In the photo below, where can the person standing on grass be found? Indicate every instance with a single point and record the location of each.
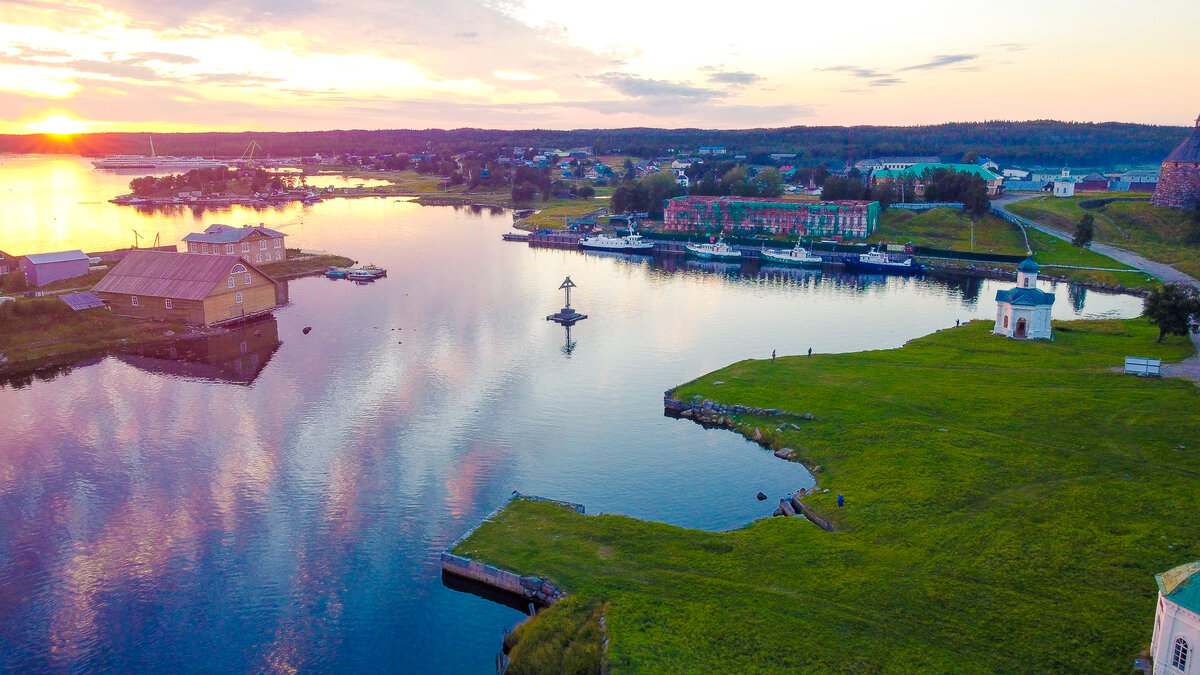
(772, 356)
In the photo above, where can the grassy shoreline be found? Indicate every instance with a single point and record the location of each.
(1008, 504)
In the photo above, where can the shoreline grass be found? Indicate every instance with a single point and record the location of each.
(1008, 504)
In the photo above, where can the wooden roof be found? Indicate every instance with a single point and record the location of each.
(162, 274)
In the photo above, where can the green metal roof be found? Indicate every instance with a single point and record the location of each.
(1028, 265)
(1181, 585)
(916, 170)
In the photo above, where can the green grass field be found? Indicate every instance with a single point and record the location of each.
(1155, 232)
(1008, 504)
(555, 213)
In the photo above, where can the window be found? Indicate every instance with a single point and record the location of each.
(229, 248)
(248, 280)
(245, 247)
(168, 303)
(238, 269)
(1026, 282)
(1180, 654)
(238, 297)
(257, 257)
(133, 298)
(204, 248)
(192, 246)
(279, 255)
(1006, 321)
(262, 245)
(278, 243)
(231, 282)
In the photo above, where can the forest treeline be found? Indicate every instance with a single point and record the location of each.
(1043, 142)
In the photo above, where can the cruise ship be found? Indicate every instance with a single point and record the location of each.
(155, 162)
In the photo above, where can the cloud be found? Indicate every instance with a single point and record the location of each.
(735, 79)
(941, 62)
(233, 79)
(639, 87)
(885, 81)
(164, 57)
(856, 71)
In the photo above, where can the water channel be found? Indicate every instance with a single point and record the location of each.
(279, 500)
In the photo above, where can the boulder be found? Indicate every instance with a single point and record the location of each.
(761, 497)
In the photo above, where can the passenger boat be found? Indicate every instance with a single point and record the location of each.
(798, 255)
(878, 262)
(366, 273)
(717, 250)
(630, 243)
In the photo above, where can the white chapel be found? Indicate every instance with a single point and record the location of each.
(1024, 312)
(1177, 621)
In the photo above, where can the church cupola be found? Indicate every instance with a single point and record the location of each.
(1027, 272)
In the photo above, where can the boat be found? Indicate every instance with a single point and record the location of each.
(717, 250)
(878, 262)
(155, 161)
(366, 273)
(798, 255)
(337, 272)
(630, 243)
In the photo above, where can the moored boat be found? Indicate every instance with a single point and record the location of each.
(717, 250)
(366, 273)
(337, 272)
(878, 262)
(630, 243)
(798, 255)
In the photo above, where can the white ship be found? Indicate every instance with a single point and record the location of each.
(630, 243)
(155, 162)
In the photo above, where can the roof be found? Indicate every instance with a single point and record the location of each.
(61, 256)
(186, 276)
(79, 301)
(1031, 297)
(916, 170)
(1189, 149)
(1028, 265)
(227, 234)
(1181, 585)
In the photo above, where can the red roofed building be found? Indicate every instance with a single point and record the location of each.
(199, 289)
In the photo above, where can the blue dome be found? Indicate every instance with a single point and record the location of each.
(1027, 265)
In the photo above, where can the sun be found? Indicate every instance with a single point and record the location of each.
(60, 125)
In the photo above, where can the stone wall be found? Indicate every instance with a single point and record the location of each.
(1179, 186)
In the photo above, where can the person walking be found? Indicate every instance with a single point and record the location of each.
(772, 356)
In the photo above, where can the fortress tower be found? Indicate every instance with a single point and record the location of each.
(1179, 182)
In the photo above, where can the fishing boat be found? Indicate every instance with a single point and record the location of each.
(717, 250)
(878, 262)
(798, 255)
(337, 272)
(630, 243)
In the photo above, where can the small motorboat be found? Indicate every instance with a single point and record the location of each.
(878, 262)
(717, 250)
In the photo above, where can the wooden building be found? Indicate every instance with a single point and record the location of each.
(199, 289)
(256, 244)
(8, 263)
(44, 268)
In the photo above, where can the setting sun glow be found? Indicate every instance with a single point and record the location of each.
(60, 125)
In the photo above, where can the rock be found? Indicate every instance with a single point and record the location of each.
(794, 427)
(784, 453)
(761, 497)
(807, 416)
(718, 383)
(943, 429)
(757, 434)
(686, 413)
(306, 330)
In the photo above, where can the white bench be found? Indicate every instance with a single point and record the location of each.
(1138, 365)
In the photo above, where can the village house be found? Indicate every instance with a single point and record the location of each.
(1177, 621)
(192, 288)
(8, 263)
(253, 243)
(44, 268)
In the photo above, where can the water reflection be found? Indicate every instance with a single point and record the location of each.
(237, 354)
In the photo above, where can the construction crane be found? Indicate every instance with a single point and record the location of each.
(156, 244)
(247, 158)
(136, 237)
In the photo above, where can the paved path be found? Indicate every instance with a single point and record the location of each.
(1164, 273)
(1189, 368)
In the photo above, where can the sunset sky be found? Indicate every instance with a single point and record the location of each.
(174, 65)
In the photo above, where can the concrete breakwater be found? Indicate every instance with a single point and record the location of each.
(532, 588)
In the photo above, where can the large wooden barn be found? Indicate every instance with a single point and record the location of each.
(187, 287)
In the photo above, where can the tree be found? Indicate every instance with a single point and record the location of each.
(1174, 308)
(971, 157)
(586, 192)
(1085, 229)
(770, 182)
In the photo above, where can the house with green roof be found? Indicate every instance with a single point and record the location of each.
(1023, 313)
(918, 172)
(1177, 621)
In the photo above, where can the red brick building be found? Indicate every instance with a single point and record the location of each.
(1179, 183)
(745, 216)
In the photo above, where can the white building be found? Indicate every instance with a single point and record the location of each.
(1064, 185)
(1023, 312)
(1177, 621)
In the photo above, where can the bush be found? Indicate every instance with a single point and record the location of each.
(46, 306)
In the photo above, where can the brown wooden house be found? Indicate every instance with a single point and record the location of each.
(200, 289)
(8, 263)
(256, 244)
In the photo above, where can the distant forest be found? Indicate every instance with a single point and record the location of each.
(1109, 145)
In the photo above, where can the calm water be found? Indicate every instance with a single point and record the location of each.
(278, 500)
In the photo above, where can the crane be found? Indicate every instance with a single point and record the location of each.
(247, 158)
(136, 237)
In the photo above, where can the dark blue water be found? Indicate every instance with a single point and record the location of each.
(280, 500)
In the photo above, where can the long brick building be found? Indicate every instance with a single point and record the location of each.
(744, 216)
(1179, 181)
